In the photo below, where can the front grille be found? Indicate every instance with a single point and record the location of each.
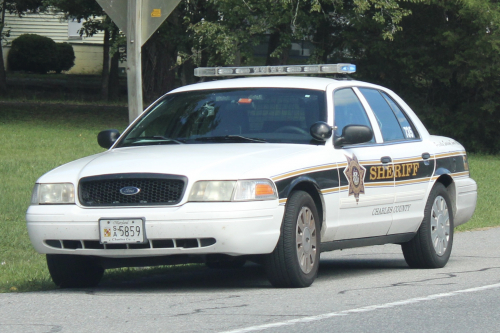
(154, 189)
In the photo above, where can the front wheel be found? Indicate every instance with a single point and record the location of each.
(431, 246)
(295, 260)
(72, 271)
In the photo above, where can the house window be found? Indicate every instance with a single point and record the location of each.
(74, 29)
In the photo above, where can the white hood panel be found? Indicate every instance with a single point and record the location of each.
(197, 162)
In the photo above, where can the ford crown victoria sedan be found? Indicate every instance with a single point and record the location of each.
(272, 169)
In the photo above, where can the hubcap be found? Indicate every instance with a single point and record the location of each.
(306, 240)
(440, 225)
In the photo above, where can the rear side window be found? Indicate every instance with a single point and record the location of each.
(389, 125)
(348, 111)
(392, 121)
(408, 129)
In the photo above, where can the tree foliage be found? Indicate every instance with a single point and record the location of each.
(18, 7)
(88, 11)
(443, 56)
(65, 57)
(33, 53)
(446, 62)
(95, 20)
(238, 25)
(40, 54)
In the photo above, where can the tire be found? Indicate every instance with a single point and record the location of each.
(72, 271)
(295, 260)
(226, 264)
(431, 246)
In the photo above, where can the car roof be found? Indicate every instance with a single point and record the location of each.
(297, 82)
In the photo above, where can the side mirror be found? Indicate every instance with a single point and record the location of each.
(107, 138)
(321, 131)
(353, 134)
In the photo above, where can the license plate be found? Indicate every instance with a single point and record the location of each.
(121, 231)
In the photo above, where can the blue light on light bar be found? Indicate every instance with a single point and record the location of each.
(348, 68)
(276, 70)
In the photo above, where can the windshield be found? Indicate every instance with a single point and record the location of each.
(257, 115)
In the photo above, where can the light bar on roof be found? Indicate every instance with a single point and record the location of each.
(276, 70)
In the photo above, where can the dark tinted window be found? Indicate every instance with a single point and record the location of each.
(348, 111)
(408, 129)
(205, 116)
(389, 125)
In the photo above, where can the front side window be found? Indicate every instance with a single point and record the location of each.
(348, 111)
(233, 115)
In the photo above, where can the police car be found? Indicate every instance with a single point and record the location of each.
(274, 169)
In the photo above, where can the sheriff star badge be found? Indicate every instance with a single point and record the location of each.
(355, 174)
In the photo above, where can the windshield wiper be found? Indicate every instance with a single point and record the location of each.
(225, 138)
(155, 137)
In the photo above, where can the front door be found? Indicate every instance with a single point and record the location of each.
(366, 177)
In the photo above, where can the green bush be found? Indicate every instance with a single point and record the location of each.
(65, 57)
(38, 54)
(32, 53)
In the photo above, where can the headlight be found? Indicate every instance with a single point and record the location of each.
(212, 191)
(230, 190)
(53, 194)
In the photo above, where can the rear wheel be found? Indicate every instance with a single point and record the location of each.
(431, 246)
(295, 260)
(72, 271)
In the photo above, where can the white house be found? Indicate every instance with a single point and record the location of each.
(88, 50)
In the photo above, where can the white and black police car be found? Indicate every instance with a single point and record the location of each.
(274, 169)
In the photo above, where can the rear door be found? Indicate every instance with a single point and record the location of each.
(412, 162)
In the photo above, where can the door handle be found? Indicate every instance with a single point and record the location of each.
(426, 156)
(386, 159)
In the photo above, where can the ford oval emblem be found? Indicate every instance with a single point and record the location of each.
(130, 190)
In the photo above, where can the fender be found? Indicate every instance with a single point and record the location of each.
(286, 186)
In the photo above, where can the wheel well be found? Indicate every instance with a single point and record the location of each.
(314, 192)
(448, 182)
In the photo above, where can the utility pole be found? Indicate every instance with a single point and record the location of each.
(138, 19)
(134, 63)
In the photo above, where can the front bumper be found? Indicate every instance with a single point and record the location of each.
(233, 228)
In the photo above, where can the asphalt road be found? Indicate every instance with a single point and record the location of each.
(361, 290)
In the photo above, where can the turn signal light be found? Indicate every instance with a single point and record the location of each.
(263, 189)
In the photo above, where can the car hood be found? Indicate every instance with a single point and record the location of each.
(200, 161)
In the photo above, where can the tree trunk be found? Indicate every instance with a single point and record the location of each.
(105, 66)
(203, 63)
(204, 58)
(186, 72)
(3, 76)
(326, 42)
(158, 60)
(114, 74)
(275, 41)
(114, 78)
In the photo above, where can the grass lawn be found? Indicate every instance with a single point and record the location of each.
(38, 137)
(59, 87)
